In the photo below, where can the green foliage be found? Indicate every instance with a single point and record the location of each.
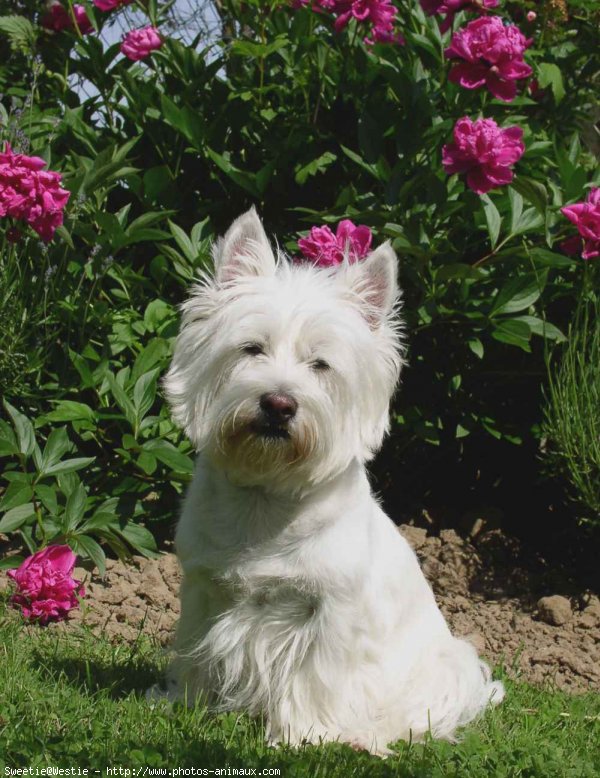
(312, 126)
(572, 411)
(46, 501)
(20, 32)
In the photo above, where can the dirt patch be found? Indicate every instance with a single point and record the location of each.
(515, 610)
(523, 615)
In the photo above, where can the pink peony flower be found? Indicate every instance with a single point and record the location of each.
(327, 249)
(535, 91)
(110, 5)
(484, 152)
(586, 217)
(46, 590)
(31, 194)
(451, 7)
(379, 14)
(492, 55)
(139, 44)
(59, 18)
(572, 246)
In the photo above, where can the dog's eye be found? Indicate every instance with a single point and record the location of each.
(320, 365)
(253, 349)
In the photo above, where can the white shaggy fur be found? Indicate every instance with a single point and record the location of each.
(300, 600)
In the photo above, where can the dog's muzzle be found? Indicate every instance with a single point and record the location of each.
(277, 410)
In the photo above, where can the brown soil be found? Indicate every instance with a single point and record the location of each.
(523, 616)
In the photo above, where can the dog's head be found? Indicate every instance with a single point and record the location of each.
(283, 372)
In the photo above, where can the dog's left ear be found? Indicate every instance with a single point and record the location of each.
(244, 250)
(375, 281)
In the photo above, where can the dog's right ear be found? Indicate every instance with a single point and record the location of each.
(244, 250)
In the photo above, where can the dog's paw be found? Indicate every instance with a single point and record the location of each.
(365, 741)
(157, 693)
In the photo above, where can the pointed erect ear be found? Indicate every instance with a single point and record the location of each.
(375, 281)
(244, 251)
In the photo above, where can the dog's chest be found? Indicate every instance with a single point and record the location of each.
(263, 599)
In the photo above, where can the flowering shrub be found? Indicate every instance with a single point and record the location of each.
(311, 111)
(45, 588)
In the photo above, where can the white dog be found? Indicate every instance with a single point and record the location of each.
(301, 601)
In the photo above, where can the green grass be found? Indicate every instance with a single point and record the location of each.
(68, 699)
(572, 421)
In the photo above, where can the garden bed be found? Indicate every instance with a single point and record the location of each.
(515, 609)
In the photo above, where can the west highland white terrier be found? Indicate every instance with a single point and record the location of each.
(300, 600)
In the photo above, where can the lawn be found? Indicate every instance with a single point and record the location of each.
(69, 699)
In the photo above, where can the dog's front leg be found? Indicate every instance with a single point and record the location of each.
(202, 599)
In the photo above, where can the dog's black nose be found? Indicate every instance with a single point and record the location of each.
(278, 407)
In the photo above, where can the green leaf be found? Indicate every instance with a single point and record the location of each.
(156, 313)
(75, 508)
(144, 393)
(47, 495)
(156, 351)
(518, 294)
(318, 165)
(516, 208)
(11, 562)
(183, 241)
(69, 466)
(140, 538)
(542, 328)
(70, 410)
(7, 448)
(166, 453)
(86, 546)
(23, 428)
(240, 177)
(547, 258)
(530, 220)
(122, 399)
(8, 441)
(533, 192)
(57, 445)
(492, 218)
(258, 50)
(65, 236)
(513, 332)
(17, 493)
(549, 74)
(356, 158)
(459, 271)
(83, 369)
(16, 517)
(19, 30)
(102, 519)
(147, 462)
(476, 347)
